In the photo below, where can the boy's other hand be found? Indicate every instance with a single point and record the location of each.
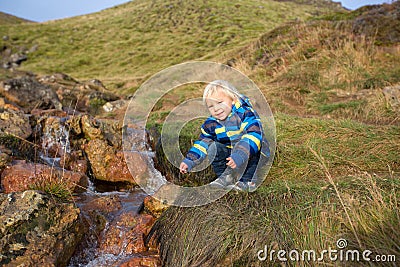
(183, 167)
(231, 163)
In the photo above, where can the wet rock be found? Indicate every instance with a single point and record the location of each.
(15, 122)
(74, 125)
(135, 138)
(112, 130)
(154, 206)
(108, 164)
(91, 127)
(28, 93)
(392, 96)
(36, 230)
(127, 231)
(79, 165)
(107, 129)
(72, 162)
(143, 261)
(94, 213)
(103, 204)
(23, 176)
(105, 217)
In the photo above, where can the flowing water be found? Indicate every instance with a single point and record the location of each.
(89, 252)
(55, 142)
(105, 208)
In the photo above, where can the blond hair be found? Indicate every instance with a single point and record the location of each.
(223, 86)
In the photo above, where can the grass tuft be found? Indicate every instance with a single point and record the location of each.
(281, 215)
(54, 186)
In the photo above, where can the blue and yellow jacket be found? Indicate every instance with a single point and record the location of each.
(241, 131)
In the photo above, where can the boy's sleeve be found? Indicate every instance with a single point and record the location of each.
(198, 151)
(250, 142)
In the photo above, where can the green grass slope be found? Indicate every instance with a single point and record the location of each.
(7, 19)
(336, 170)
(139, 38)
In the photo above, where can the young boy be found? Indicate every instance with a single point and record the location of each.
(236, 131)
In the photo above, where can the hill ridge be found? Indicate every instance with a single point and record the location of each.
(137, 39)
(6, 19)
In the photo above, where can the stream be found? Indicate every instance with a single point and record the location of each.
(55, 143)
(118, 205)
(115, 228)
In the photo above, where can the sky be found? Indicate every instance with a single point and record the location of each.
(43, 10)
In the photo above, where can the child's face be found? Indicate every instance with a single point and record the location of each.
(220, 105)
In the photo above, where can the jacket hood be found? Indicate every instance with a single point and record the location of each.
(243, 101)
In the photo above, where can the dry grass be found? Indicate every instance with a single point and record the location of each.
(322, 68)
(331, 179)
(285, 216)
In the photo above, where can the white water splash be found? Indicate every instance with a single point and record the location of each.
(155, 179)
(55, 136)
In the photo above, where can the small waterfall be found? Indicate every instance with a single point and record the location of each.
(156, 179)
(89, 253)
(55, 142)
(135, 142)
(92, 253)
(105, 212)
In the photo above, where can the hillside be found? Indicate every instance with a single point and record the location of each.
(7, 19)
(139, 38)
(331, 77)
(333, 66)
(336, 169)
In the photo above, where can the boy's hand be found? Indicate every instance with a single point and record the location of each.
(231, 163)
(183, 167)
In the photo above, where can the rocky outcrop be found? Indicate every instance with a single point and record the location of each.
(50, 140)
(87, 96)
(12, 57)
(58, 91)
(108, 164)
(36, 230)
(28, 93)
(380, 22)
(154, 206)
(23, 176)
(15, 122)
